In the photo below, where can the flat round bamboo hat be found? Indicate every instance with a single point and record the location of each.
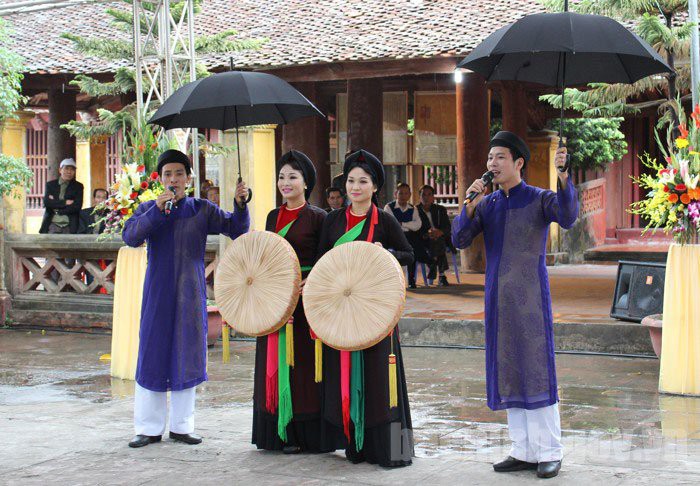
(256, 284)
(354, 296)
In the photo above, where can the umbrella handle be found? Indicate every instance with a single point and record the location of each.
(250, 192)
(568, 158)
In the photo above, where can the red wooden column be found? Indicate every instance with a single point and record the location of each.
(310, 135)
(514, 105)
(473, 119)
(365, 115)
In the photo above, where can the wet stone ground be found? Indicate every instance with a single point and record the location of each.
(63, 420)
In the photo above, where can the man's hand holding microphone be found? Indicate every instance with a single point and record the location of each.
(476, 193)
(166, 200)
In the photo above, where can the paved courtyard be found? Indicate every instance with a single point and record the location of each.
(63, 420)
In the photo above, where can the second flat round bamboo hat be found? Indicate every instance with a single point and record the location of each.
(354, 296)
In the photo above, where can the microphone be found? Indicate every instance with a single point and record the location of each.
(486, 179)
(169, 204)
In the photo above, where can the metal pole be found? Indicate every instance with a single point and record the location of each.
(694, 53)
(137, 61)
(165, 56)
(193, 77)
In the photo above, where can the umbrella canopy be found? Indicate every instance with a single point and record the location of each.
(567, 49)
(233, 99)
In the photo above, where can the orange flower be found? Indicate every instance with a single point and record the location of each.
(673, 198)
(142, 148)
(696, 116)
(683, 130)
(685, 198)
(154, 145)
(125, 211)
(694, 193)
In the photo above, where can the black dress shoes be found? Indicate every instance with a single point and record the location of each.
(186, 438)
(144, 440)
(548, 469)
(511, 464)
(442, 282)
(291, 449)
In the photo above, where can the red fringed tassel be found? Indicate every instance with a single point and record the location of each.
(345, 390)
(271, 374)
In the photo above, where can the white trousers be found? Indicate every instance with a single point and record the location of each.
(536, 434)
(151, 411)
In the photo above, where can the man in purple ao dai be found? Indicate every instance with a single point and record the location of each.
(520, 370)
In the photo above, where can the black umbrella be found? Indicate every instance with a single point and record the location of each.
(560, 49)
(233, 99)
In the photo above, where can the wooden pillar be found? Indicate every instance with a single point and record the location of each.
(98, 165)
(514, 108)
(83, 170)
(365, 115)
(310, 135)
(257, 147)
(543, 173)
(13, 142)
(473, 119)
(62, 109)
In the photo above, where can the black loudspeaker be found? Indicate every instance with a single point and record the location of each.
(639, 291)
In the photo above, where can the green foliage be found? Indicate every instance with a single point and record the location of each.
(225, 42)
(111, 49)
(657, 23)
(495, 127)
(594, 142)
(623, 9)
(11, 78)
(13, 173)
(124, 82)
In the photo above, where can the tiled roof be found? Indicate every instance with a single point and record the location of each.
(300, 32)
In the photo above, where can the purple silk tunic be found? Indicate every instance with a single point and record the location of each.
(173, 333)
(520, 371)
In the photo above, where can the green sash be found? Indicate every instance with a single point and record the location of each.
(352, 234)
(357, 366)
(285, 409)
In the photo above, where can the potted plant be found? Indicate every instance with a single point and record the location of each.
(672, 204)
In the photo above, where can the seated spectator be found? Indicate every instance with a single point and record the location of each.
(213, 195)
(437, 237)
(204, 187)
(88, 216)
(334, 198)
(63, 199)
(413, 227)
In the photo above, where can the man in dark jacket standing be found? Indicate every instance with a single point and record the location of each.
(438, 234)
(63, 200)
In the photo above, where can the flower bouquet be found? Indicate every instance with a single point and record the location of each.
(137, 181)
(672, 201)
(133, 185)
